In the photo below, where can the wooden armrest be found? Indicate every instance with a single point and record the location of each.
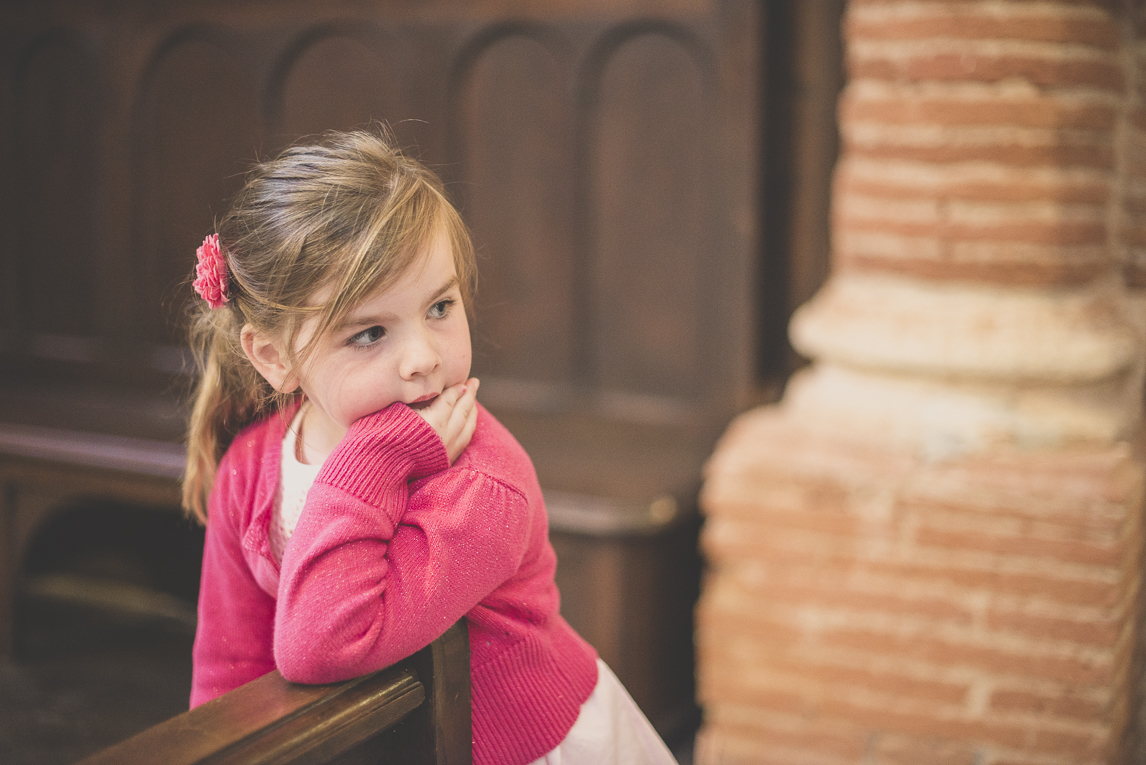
(270, 721)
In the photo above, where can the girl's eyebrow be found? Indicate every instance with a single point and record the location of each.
(361, 321)
(449, 285)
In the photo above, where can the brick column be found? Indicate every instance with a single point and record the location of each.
(929, 551)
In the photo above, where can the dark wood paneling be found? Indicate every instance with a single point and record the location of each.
(649, 216)
(56, 123)
(198, 121)
(336, 81)
(515, 122)
(585, 144)
(802, 76)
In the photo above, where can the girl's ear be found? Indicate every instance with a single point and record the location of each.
(266, 357)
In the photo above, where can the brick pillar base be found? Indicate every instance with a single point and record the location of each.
(929, 552)
(873, 607)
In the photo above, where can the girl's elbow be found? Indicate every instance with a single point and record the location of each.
(296, 665)
(300, 658)
(314, 662)
(311, 666)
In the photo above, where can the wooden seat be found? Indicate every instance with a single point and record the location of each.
(416, 711)
(44, 470)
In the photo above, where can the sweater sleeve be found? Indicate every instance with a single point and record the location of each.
(366, 579)
(233, 638)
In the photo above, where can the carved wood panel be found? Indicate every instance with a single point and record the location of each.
(585, 145)
(513, 112)
(54, 174)
(335, 79)
(197, 121)
(648, 193)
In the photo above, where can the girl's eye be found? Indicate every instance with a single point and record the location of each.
(441, 308)
(367, 337)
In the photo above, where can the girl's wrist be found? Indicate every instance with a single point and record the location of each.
(395, 443)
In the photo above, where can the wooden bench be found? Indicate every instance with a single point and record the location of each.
(45, 470)
(415, 712)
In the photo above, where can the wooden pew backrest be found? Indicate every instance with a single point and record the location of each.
(413, 712)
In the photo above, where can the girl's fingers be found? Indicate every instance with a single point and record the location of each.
(449, 397)
(439, 411)
(453, 416)
(469, 427)
(463, 420)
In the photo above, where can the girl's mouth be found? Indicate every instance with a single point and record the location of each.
(423, 402)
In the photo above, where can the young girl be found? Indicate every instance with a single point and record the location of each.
(365, 501)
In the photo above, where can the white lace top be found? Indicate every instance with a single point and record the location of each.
(295, 479)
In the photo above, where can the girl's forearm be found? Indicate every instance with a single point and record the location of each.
(367, 580)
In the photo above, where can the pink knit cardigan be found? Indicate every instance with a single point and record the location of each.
(394, 546)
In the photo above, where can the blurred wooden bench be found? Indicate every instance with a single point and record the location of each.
(43, 470)
(416, 712)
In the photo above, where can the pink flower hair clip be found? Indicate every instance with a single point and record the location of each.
(211, 272)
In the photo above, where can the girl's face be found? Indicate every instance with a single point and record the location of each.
(407, 343)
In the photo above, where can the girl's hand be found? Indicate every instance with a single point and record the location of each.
(453, 416)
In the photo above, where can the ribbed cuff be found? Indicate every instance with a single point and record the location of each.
(392, 446)
(527, 699)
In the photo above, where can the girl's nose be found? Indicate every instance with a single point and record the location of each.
(420, 357)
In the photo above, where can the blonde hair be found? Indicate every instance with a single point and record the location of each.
(350, 211)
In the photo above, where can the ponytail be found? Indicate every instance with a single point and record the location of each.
(229, 395)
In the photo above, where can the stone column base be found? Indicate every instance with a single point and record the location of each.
(866, 605)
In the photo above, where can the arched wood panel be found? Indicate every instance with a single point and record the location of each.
(333, 81)
(582, 154)
(515, 126)
(199, 126)
(56, 124)
(648, 138)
